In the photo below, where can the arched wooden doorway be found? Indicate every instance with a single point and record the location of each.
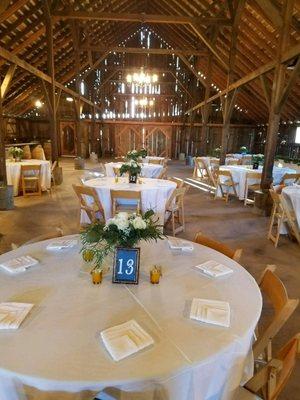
(68, 138)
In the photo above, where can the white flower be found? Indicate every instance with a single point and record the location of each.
(139, 223)
(122, 215)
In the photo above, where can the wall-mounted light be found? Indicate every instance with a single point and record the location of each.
(70, 99)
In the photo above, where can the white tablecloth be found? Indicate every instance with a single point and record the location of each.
(13, 173)
(154, 193)
(148, 170)
(58, 347)
(239, 173)
(292, 194)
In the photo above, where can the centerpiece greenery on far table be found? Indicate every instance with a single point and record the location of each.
(143, 153)
(133, 168)
(16, 153)
(124, 230)
(257, 159)
(217, 152)
(243, 150)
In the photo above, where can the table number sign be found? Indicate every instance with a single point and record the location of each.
(126, 265)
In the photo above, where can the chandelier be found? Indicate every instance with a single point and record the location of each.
(141, 78)
(144, 102)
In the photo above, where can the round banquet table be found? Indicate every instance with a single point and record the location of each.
(13, 173)
(292, 193)
(58, 346)
(239, 173)
(154, 194)
(148, 170)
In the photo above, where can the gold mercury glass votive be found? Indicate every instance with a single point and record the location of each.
(96, 276)
(155, 274)
(116, 179)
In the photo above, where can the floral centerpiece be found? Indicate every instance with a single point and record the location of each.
(133, 168)
(143, 153)
(133, 155)
(243, 150)
(16, 153)
(217, 152)
(124, 230)
(257, 159)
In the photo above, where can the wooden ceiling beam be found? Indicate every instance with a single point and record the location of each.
(271, 12)
(40, 74)
(8, 12)
(7, 80)
(140, 50)
(287, 55)
(142, 18)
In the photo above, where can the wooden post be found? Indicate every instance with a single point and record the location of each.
(50, 98)
(229, 98)
(279, 95)
(206, 109)
(3, 180)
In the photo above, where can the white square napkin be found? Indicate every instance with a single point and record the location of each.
(214, 269)
(62, 244)
(126, 339)
(211, 312)
(13, 314)
(178, 244)
(19, 264)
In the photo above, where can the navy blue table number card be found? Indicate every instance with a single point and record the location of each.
(126, 265)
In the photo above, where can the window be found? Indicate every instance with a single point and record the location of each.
(297, 136)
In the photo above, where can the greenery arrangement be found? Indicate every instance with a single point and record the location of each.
(243, 150)
(288, 159)
(124, 230)
(143, 153)
(217, 152)
(258, 158)
(132, 167)
(16, 152)
(133, 155)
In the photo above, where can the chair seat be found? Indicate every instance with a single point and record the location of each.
(244, 394)
(31, 178)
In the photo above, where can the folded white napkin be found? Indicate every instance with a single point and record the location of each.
(126, 339)
(19, 264)
(13, 314)
(211, 312)
(179, 244)
(214, 269)
(62, 244)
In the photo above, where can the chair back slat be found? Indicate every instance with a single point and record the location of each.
(218, 246)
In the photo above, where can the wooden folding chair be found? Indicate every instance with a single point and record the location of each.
(273, 288)
(280, 215)
(250, 176)
(233, 161)
(270, 380)
(179, 182)
(175, 210)
(156, 161)
(227, 184)
(31, 180)
(132, 196)
(53, 166)
(218, 246)
(89, 203)
(247, 160)
(290, 179)
(51, 235)
(199, 168)
(163, 173)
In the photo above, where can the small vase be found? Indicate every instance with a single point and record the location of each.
(132, 178)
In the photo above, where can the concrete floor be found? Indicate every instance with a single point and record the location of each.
(231, 223)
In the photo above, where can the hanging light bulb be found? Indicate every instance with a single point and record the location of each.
(38, 104)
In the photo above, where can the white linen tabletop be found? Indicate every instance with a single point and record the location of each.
(58, 346)
(292, 193)
(154, 193)
(13, 173)
(239, 173)
(148, 170)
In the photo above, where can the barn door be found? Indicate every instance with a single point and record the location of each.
(68, 138)
(158, 141)
(128, 138)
